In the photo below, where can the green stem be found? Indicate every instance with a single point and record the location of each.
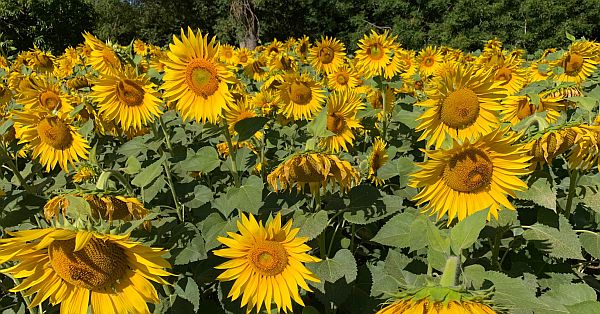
(451, 271)
(317, 199)
(574, 178)
(496, 248)
(353, 230)
(322, 249)
(173, 192)
(232, 155)
(385, 116)
(167, 136)
(15, 169)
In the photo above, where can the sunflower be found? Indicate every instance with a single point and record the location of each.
(327, 55)
(462, 104)
(41, 61)
(429, 60)
(472, 176)
(266, 263)
(195, 79)
(274, 47)
(342, 78)
(77, 269)
(238, 111)
(84, 173)
(407, 62)
(6, 96)
(377, 159)
(375, 98)
(140, 48)
(395, 65)
(517, 108)
(303, 47)
(282, 62)
(44, 93)
(102, 57)
(266, 100)
(315, 170)
(511, 75)
(374, 53)
(586, 151)
(578, 62)
(553, 143)
(53, 139)
(301, 96)
(257, 68)
(241, 56)
(342, 108)
(227, 53)
(427, 307)
(129, 99)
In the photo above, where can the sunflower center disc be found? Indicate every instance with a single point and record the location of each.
(49, 100)
(55, 133)
(269, 257)
(336, 123)
(326, 55)
(573, 63)
(97, 266)
(243, 59)
(469, 171)
(341, 79)
(428, 61)
(228, 54)
(504, 74)
(201, 77)
(300, 93)
(130, 93)
(460, 109)
(375, 51)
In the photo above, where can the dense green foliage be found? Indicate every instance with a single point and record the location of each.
(463, 24)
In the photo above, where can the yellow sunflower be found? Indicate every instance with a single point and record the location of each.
(266, 263)
(586, 151)
(578, 62)
(102, 57)
(301, 96)
(41, 61)
(472, 176)
(327, 55)
(303, 47)
(241, 56)
(342, 108)
(81, 269)
(517, 108)
(195, 79)
(427, 307)
(282, 62)
(407, 62)
(140, 48)
(238, 111)
(315, 170)
(374, 53)
(377, 159)
(52, 137)
(395, 65)
(462, 104)
(44, 93)
(266, 100)
(227, 54)
(257, 68)
(511, 75)
(84, 173)
(429, 60)
(342, 78)
(375, 98)
(274, 47)
(127, 98)
(6, 96)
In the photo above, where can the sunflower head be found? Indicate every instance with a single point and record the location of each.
(315, 170)
(301, 96)
(85, 173)
(327, 55)
(472, 175)
(375, 53)
(377, 159)
(342, 108)
(263, 258)
(578, 63)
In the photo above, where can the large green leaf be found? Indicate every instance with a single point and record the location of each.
(465, 233)
(560, 243)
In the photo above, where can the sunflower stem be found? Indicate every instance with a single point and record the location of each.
(232, 155)
(573, 179)
(15, 169)
(167, 136)
(451, 271)
(172, 188)
(385, 117)
(496, 248)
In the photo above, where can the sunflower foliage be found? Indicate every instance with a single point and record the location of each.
(299, 177)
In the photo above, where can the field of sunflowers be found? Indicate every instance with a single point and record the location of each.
(299, 177)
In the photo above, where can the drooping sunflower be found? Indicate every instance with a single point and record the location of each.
(429, 60)
(553, 143)
(315, 170)
(266, 263)
(377, 159)
(301, 96)
(342, 78)
(585, 154)
(327, 55)
(44, 93)
(427, 307)
(578, 62)
(257, 68)
(472, 176)
(6, 96)
(53, 138)
(102, 57)
(342, 108)
(374, 53)
(129, 99)
(462, 105)
(376, 98)
(81, 269)
(517, 108)
(195, 79)
(511, 75)
(84, 173)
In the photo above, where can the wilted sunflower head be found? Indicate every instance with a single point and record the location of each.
(315, 170)
(553, 143)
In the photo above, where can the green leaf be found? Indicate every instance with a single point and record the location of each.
(78, 207)
(541, 193)
(318, 126)
(408, 118)
(569, 294)
(311, 225)
(146, 176)
(192, 252)
(247, 197)
(559, 243)
(367, 205)
(246, 128)
(437, 239)
(474, 275)
(590, 243)
(205, 160)
(132, 165)
(190, 292)
(342, 265)
(587, 307)
(464, 234)
(513, 293)
(214, 226)
(403, 230)
(585, 102)
(402, 167)
(570, 36)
